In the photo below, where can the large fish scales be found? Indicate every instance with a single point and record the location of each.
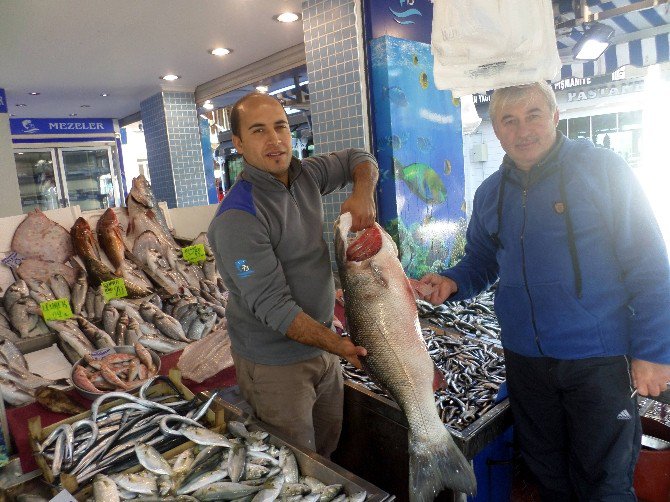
(382, 317)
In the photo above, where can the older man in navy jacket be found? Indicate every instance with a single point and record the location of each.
(582, 298)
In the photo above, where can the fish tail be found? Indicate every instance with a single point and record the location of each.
(437, 464)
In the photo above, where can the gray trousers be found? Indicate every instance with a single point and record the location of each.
(301, 401)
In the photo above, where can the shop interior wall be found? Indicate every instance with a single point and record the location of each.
(10, 201)
(333, 39)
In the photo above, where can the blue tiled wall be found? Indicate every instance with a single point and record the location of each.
(332, 53)
(174, 151)
(158, 149)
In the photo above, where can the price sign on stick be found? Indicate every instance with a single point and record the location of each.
(116, 288)
(56, 310)
(194, 254)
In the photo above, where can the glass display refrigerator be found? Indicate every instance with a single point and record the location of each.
(55, 177)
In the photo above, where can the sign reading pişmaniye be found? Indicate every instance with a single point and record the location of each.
(3, 101)
(61, 126)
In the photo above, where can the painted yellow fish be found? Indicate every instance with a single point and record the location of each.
(423, 80)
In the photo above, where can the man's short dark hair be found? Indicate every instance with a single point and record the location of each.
(235, 112)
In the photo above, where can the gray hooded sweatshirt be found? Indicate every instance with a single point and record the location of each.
(270, 252)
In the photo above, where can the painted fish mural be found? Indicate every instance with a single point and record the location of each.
(423, 181)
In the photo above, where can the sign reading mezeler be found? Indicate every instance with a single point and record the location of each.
(3, 101)
(61, 126)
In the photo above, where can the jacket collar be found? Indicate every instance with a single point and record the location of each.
(265, 181)
(543, 168)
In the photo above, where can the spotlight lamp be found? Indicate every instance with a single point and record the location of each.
(597, 37)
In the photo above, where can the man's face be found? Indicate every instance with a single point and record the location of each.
(526, 129)
(265, 137)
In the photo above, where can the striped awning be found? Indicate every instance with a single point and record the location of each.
(641, 35)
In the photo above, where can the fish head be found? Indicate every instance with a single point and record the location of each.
(19, 287)
(108, 221)
(363, 256)
(82, 239)
(141, 191)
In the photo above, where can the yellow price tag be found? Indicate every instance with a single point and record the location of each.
(56, 310)
(116, 288)
(194, 254)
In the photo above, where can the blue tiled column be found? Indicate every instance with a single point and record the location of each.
(174, 150)
(339, 116)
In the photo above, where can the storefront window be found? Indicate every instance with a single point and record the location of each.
(563, 126)
(603, 127)
(579, 127)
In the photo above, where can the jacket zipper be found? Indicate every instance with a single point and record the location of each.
(523, 268)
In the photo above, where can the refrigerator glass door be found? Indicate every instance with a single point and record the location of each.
(88, 177)
(38, 180)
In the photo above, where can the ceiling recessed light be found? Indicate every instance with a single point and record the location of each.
(287, 17)
(20, 153)
(219, 51)
(73, 115)
(33, 93)
(85, 106)
(104, 94)
(170, 77)
(208, 105)
(21, 104)
(262, 88)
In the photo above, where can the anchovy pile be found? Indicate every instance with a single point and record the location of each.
(105, 442)
(469, 317)
(473, 373)
(240, 465)
(655, 410)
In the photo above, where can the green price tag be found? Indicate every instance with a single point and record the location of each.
(56, 310)
(115, 288)
(194, 254)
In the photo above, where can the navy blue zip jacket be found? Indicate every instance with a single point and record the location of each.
(582, 264)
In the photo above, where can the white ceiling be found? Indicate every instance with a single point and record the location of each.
(72, 50)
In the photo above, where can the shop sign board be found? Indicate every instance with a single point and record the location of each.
(3, 101)
(605, 91)
(69, 126)
(407, 19)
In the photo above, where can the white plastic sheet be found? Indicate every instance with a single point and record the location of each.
(480, 45)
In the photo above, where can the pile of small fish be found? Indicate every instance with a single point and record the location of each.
(116, 371)
(17, 383)
(241, 465)
(473, 373)
(473, 317)
(170, 302)
(105, 441)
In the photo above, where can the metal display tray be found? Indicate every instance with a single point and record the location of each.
(309, 462)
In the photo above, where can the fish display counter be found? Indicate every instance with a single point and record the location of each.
(310, 463)
(174, 445)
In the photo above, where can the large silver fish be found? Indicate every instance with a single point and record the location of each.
(382, 317)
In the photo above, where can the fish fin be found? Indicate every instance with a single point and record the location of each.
(439, 382)
(436, 465)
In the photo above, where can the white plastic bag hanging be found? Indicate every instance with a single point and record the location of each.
(480, 45)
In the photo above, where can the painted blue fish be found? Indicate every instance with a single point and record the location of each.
(396, 95)
(424, 144)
